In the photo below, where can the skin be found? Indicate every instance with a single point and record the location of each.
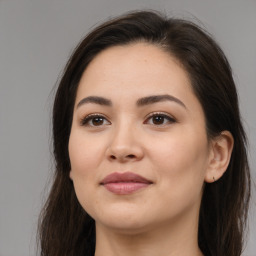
(174, 154)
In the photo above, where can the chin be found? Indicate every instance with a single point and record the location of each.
(124, 227)
(124, 221)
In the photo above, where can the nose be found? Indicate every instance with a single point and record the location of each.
(125, 146)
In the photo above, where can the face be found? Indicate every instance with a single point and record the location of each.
(138, 146)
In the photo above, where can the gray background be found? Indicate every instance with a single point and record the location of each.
(36, 39)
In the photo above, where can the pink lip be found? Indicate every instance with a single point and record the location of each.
(124, 183)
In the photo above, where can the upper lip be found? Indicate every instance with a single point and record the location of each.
(124, 177)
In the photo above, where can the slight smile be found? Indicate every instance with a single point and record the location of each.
(124, 183)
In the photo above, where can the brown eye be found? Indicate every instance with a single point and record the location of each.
(97, 121)
(160, 119)
(94, 120)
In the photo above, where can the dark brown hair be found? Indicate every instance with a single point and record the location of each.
(65, 228)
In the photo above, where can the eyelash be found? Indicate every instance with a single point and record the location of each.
(167, 117)
(86, 121)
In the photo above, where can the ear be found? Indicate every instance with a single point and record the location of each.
(219, 156)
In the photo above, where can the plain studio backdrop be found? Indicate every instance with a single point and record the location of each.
(36, 39)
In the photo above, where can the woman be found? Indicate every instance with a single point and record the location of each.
(149, 147)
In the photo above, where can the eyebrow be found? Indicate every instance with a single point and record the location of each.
(140, 102)
(95, 99)
(158, 98)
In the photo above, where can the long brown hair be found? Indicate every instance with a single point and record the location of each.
(65, 229)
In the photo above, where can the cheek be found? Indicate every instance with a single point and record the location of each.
(182, 159)
(84, 154)
(84, 158)
(181, 174)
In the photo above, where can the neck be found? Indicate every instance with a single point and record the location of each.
(173, 240)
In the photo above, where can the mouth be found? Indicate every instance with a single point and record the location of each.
(125, 183)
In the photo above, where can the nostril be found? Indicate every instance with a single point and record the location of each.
(131, 156)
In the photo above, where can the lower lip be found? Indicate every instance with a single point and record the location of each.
(125, 188)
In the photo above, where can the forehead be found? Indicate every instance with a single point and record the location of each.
(134, 70)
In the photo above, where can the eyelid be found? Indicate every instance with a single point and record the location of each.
(84, 121)
(170, 118)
